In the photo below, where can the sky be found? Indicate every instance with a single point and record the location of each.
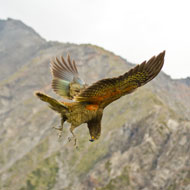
(133, 29)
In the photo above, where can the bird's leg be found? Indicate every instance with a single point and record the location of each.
(74, 136)
(60, 128)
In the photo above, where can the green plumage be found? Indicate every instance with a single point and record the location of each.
(89, 102)
(61, 87)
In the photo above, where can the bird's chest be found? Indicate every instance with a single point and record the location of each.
(82, 114)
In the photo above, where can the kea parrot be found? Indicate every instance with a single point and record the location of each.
(88, 101)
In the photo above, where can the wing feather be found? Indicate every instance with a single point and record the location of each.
(107, 90)
(66, 81)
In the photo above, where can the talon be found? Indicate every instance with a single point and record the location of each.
(75, 139)
(75, 143)
(60, 134)
(58, 128)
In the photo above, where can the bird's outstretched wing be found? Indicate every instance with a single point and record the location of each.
(107, 90)
(66, 81)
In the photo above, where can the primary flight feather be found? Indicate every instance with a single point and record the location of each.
(89, 101)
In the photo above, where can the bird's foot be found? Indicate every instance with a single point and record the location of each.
(60, 134)
(60, 128)
(60, 131)
(75, 141)
(74, 137)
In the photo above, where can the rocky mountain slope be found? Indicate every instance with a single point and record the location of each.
(18, 44)
(145, 136)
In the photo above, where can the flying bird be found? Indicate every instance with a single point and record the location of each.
(88, 102)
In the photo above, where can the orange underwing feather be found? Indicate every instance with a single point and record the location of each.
(92, 107)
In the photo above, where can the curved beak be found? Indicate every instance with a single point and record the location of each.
(92, 139)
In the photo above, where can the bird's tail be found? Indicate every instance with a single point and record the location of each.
(53, 104)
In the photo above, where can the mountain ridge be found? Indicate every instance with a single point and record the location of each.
(15, 34)
(144, 142)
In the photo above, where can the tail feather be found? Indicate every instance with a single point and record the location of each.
(53, 104)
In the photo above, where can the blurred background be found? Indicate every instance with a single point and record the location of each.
(145, 136)
(134, 30)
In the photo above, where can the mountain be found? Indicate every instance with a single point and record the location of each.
(18, 44)
(145, 136)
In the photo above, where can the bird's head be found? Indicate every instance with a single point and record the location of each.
(95, 127)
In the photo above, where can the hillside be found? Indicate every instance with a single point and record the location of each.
(18, 44)
(145, 136)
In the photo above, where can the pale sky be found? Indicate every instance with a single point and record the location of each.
(133, 29)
